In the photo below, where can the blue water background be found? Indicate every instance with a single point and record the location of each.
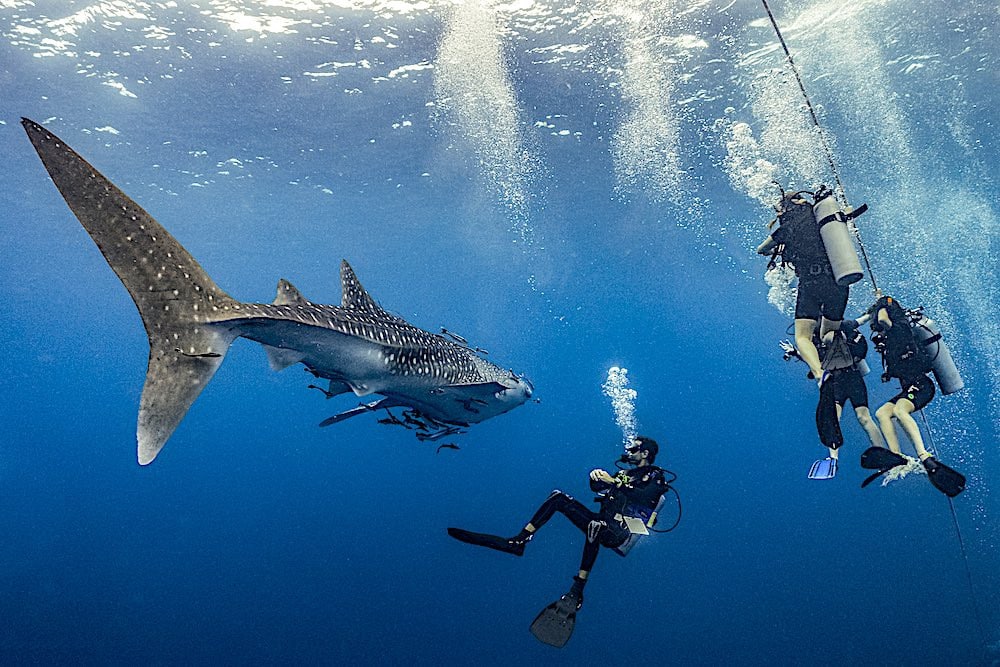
(257, 537)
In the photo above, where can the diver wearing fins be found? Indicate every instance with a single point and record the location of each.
(905, 359)
(820, 298)
(637, 490)
(842, 353)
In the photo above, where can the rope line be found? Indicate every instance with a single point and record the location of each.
(961, 543)
(822, 138)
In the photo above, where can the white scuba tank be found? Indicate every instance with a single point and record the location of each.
(837, 240)
(942, 365)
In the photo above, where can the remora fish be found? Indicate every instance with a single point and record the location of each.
(191, 323)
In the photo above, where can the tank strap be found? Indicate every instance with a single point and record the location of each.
(833, 217)
(933, 339)
(841, 216)
(857, 212)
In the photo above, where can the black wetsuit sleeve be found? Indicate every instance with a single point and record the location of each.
(780, 235)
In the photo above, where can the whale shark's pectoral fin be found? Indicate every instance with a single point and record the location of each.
(361, 409)
(174, 378)
(281, 358)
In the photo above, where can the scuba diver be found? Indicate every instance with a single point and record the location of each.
(629, 503)
(815, 240)
(905, 358)
(842, 353)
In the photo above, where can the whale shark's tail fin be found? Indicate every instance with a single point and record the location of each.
(177, 300)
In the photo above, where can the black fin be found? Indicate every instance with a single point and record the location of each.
(947, 480)
(871, 478)
(494, 542)
(882, 459)
(554, 624)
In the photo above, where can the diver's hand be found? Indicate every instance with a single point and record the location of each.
(598, 475)
(788, 349)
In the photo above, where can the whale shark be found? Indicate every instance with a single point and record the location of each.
(440, 383)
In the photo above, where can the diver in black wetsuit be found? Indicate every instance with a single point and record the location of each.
(905, 359)
(842, 354)
(819, 298)
(634, 491)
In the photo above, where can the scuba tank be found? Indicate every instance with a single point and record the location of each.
(942, 365)
(863, 368)
(837, 237)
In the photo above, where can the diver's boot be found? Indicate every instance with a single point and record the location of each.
(576, 591)
(522, 538)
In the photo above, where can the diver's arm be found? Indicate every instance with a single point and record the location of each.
(788, 350)
(600, 480)
(767, 246)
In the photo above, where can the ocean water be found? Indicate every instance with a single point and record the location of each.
(572, 186)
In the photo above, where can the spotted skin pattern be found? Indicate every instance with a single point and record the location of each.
(191, 322)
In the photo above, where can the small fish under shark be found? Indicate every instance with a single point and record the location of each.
(191, 322)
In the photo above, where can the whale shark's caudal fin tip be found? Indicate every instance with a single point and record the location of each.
(174, 378)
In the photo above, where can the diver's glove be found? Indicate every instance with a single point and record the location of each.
(601, 477)
(788, 349)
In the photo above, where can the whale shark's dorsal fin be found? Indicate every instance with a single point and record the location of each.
(355, 297)
(288, 295)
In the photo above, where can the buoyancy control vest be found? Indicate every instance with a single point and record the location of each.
(903, 357)
(815, 239)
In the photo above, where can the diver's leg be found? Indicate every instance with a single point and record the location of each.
(565, 504)
(834, 304)
(903, 412)
(869, 425)
(884, 416)
(828, 326)
(804, 329)
(556, 502)
(827, 417)
(590, 550)
(834, 452)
